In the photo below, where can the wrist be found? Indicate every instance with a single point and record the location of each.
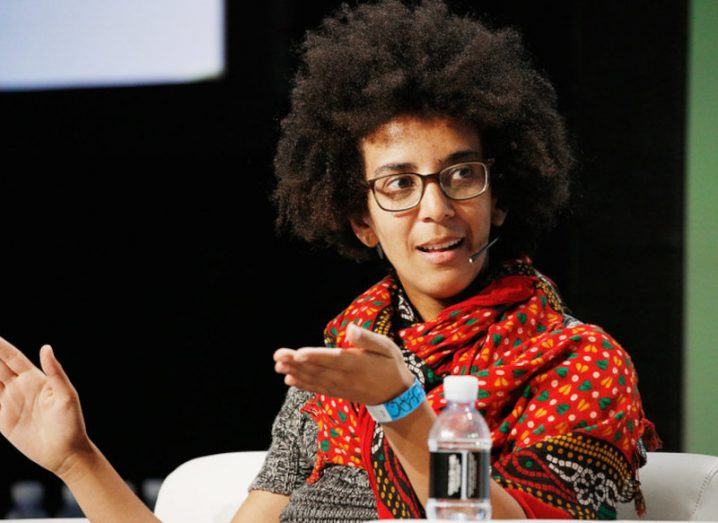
(406, 380)
(400, 406)
(422, 412)
(79, 463)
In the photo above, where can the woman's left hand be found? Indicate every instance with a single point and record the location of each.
(371, 372)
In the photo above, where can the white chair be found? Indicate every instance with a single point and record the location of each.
(209, 489)
(677, 486)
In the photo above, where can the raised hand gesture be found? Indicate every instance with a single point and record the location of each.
(40, 410)
(371, 372)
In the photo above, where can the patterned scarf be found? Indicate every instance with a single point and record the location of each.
(559, 396)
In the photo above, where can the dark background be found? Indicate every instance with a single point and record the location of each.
(138, 240)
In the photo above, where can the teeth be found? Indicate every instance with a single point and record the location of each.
(442, 246)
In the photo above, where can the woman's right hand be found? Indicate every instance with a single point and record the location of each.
(40, 411)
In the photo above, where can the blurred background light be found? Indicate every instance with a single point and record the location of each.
(46, 44)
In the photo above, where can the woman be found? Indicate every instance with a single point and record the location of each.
(431, 140)
(385, 91)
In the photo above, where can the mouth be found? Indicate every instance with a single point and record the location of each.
(443, 247)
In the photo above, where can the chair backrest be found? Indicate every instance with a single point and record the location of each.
(677, 486)
(208, 489)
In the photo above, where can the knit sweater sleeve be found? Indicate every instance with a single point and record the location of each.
(286, 466)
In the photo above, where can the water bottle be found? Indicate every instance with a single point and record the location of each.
(460, 447)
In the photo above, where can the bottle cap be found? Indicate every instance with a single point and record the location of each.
(461, 389)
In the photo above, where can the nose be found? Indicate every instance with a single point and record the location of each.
(434, 204)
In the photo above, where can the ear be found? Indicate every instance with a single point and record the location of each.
(498, 213)
(364, 231)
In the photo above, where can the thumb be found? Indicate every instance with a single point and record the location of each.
(370, 340)
(52, 368)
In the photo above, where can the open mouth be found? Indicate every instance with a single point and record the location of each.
(443, 248)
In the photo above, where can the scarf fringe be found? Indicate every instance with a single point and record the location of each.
(639, 502)
(650, 437)
(652, 442)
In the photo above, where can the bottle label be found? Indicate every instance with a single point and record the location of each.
(459, 475)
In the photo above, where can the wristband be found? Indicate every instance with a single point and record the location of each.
(403, 405)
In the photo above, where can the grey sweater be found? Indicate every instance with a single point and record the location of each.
(341, 494)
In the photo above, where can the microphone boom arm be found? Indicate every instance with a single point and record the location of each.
(475, 256)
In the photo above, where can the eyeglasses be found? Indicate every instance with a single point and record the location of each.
(403, 191)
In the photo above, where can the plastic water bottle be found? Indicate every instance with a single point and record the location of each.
(460, 446)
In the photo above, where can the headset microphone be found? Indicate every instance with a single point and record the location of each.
(475, 256)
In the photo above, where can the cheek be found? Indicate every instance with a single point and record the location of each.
(394, 233)
(478, 217)
(397, 236)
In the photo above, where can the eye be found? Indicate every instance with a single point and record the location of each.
(462, 172)
(400, 182)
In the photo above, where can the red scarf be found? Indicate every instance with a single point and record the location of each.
(560, 399)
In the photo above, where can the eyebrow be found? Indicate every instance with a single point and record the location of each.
(466, 154)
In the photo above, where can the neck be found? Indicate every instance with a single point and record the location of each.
(427, 307)
(430, 307)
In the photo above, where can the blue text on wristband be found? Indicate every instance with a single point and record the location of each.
(399, 407)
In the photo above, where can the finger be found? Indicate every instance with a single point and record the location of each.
(313, 373)
(369, 340)
(13, 358)
(6, 373)
(307, 385)
(347, 360)
(304, 378)
(283, 354)
(305, 371)
(314, 377)
(285, 367)
(52, 368)
(330, 358)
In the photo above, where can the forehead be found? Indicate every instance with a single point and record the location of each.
(419, 136)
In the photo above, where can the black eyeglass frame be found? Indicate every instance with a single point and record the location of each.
(432, 176)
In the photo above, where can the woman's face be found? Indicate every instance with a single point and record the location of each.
(427, 145)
